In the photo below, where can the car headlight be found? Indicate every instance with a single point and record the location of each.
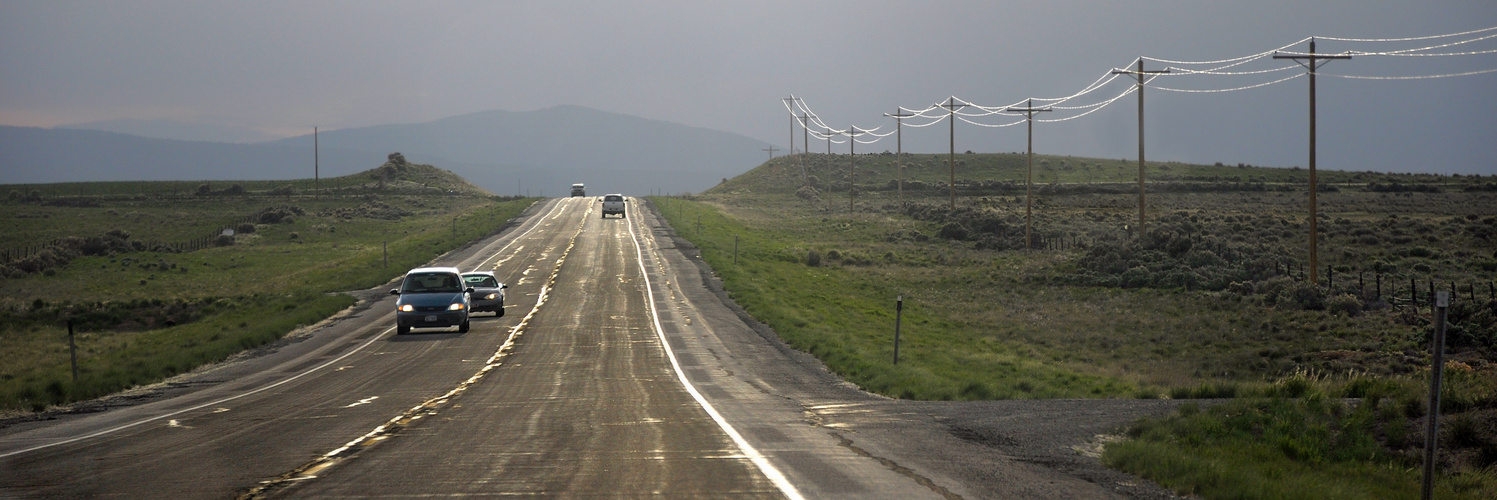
(491, 296)
(456, 306)
(407, 308)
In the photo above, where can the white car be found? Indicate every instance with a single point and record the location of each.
(613, 204)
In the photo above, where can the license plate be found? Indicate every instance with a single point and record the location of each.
(431, 319)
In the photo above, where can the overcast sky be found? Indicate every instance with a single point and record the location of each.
(281, 67)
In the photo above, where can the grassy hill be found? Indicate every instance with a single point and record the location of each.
(160, 277)
(1212, 301)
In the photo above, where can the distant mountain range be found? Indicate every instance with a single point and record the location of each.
(542, 151)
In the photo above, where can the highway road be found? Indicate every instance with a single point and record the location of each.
(619, 369)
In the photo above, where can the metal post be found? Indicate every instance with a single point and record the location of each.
(385, 246)
(1436, 373)
(735, 249)
(898, 317)
(73, 348)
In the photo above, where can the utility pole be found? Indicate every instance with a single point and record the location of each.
(788, 101)
(899, 116)
(1309, 61)
(316, 166)
(805, 133)
(829, 133)
(805, 141)
(1029, 112)
(852, 168)
(1140, 75)
(952, 106)
(771, 151)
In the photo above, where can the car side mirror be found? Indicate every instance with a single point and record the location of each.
(469, 290)
(394, 291)
(503, 286)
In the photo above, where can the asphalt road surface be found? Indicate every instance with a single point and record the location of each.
(619, 370)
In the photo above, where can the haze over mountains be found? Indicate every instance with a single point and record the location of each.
(542, 151)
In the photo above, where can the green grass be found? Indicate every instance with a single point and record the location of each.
(219, 300)
(1312, 446)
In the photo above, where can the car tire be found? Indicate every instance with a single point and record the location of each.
(499, 312)
(463, 328)
(402, 329)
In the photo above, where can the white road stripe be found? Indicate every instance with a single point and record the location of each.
(759, 460)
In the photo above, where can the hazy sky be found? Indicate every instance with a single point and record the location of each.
(281, 67)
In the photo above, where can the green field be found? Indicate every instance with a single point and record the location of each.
(1210, 302)
(153, 287)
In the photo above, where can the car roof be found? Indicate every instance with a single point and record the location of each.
(418, 270)
(484, 273)
(614, 194)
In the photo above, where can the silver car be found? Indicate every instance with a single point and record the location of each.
(488, 292)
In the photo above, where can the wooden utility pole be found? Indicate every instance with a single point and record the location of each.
(1140, 75)
(899, 116)
(852, 167)
(805, 134)
(788, 101)
(771, 151)
(1309, 61)
(1029, 112)
(952, 106)
(805, 141)
(316, 166)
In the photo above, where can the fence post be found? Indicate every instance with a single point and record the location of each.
(735, 249)
(73, 348)
(1436, 373)
(898, 317)
(1414, 294)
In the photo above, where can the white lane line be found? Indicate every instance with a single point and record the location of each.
(516, 239)
(364, 401)
(230, 398)
(759, 460)
(201, 406)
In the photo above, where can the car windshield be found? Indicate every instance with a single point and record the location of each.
(481, 280)
(613, 198)
(430, 283)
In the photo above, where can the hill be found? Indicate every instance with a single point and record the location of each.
(504, 152)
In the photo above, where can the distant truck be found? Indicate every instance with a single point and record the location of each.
(578, 190)
(613, 204)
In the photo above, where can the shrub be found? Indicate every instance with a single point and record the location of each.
(1303, 296)
(244, 228)
(1345, 303)
(223, 240)
(953, 231)
(813, 258)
